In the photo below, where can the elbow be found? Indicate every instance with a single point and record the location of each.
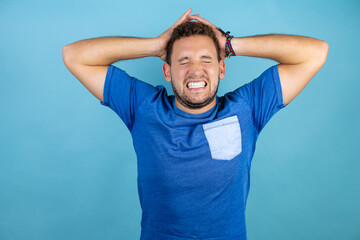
(323, 52)
(66, 54)
(325, 48)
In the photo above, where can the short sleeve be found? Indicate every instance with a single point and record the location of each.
(263, 95)
(124, 94)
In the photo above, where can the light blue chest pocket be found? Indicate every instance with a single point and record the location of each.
(224, 138)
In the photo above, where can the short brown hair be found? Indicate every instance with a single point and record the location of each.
(188, 29)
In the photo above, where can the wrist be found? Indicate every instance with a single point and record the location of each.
(155, 47)
(236, 44)
(160, 47)
(228, 49)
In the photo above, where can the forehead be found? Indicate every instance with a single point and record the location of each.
(193, 45)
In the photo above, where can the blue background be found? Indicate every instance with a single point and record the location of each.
(68, 168)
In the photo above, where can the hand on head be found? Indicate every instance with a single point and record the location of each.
(221, 39)
(165, 36)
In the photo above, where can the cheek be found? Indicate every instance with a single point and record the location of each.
(179, 71)
(213, 73)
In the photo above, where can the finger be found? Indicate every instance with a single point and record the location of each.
(188, 19)
(200, 19)
(187, 12)
(183, 17)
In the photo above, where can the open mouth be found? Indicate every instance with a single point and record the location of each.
(196, 85)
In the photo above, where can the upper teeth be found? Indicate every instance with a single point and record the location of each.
(196, 84)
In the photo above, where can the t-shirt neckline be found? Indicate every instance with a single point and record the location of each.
(206, 114)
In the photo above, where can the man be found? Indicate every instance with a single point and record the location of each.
(194, 149)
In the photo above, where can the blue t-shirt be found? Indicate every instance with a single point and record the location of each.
(193, 169)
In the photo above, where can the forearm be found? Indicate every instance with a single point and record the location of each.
(104, 51)
(286, 49)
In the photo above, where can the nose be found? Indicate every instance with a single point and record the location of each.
(196, 68)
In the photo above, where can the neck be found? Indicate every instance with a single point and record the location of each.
(196, 111)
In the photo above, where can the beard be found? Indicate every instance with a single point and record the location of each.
(183, 100)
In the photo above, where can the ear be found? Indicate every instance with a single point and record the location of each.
(166, 70)
(222, 68)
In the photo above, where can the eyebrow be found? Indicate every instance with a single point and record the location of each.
(202, 57)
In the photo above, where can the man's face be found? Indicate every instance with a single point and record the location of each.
(194, 73)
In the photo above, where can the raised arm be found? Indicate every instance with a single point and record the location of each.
(300, 57)
(88, 60)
